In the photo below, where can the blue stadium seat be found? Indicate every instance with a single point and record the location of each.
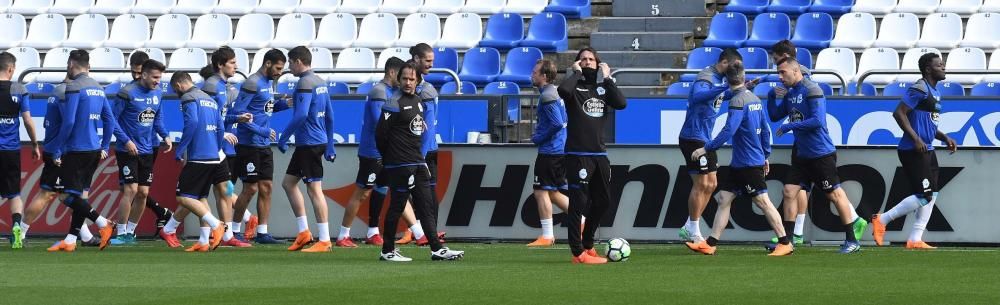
(109, 90)
(749, 7)
(338, 88)
(679, 88)
(286, 88)
(754, 58)
(804, 57)
(986, 89)
(573, 9)
(451, 88)
(520, 62)
(363, 88)
(502, 88)
(727, 30)
(813, 31)
(950, 89)
(41, 88)
(833, 7)
(896, 88)
(480, 66)
(700, 58)
(791, 7)
(827, 90)
(763, 89)
(503, 31)
(769, 29)
(548, 32)
(446, 58)
(866, 89)
(165, 88)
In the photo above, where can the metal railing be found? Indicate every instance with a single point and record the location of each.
(20, 78)
(866, 74)
(450, 72)
(843, 80)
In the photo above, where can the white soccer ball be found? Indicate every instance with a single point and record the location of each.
(618, 250)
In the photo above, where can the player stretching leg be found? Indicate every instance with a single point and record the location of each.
(550, 136)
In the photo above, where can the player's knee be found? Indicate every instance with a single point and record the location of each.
(250, 188)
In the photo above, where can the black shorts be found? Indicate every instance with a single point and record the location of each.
(233, 165)
(307, 163)
(921, 171)
(10, 173)
(580, 170)
(432, 166)
(135, 169)
(254, 163)
(77, 170)
(706, 164)
(406, 178)
(196, 179)
(549, 173)
(822, 171)
(369, 173)
(49, 179)
(745, 181)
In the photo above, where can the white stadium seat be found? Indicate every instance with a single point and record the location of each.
(942, 31)
(910, 59)
(486, 7)
(294, 30)
(837, 59)
(258, 59)
(878, 7)
(30, 7)
(188, 58)
(88, 31)
(171, 31)
(401, 53)
(45, 32)
(235, 7)
(211, 32)
(106, 58)
(401, 7)
(420, 27)
(71, 7)
(993, 65)
(855, 31)
(55, 58)
(878, 58)
(336, 31)
(922, 7)
(966, 58)
(254, 31)
(153, 53)
(461, 31)
(318, 7)
(26, 58)
(276, 7)
(982, 31)
(129, 31)
(525, 7)
(15, 29)
(322, 58)
(194, 7)
(990, 6)
(359, 7)
(242, 61)
(354, 58)
(5, 4)
(899, 30)
(379, 31)
(442, 7)
(965, 7)
(112, 7)
(152, 7)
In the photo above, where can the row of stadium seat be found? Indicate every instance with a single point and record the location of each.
(572, 8)
(254, 31)
(881, 7)
(895, 89)
(856, 30)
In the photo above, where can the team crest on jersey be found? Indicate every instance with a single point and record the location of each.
(583, 173)
(146, 117)
(594, 107)
(718, 101)
(926, 183)
(269, 107)
(935, 117)
(126, 171)
(409, 181)
(601, 91)
(795, 116)
(251, 167)
(371, 177)
(417, 125)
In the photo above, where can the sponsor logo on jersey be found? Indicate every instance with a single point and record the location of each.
(594, 107)
(146, 117)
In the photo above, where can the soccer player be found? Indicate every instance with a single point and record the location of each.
(200, 152)
(795, 205)
(399, 136)
(747, 126)
(704, 102)
(255, 160)
(13, 103)
(918, 114)
(137, 108)
(76, 148)
(550, 136)
(815, 156)
(589, 94)
(370, 182)
(312, 125)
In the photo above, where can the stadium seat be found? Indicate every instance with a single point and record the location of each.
(194, 7)
(336, 88)
(106, 58)
(322, 58)
(866, 89)
(154, 53)
(855, 31)
(754, 58)
(941, 30)
(950, 89)
(966, 58)
(211, 32)
(879, 7)
(922, 7)
(727, 30)
(258, 58)
(877, 58)
(526, 7)
(519, 64)
(383, 57)
(318, 7)
(442, 7)
(128, 31)
(40, 88)
(572, 9)
(480, 66)
(909, 62)
(285, 87)
(813, 31)
(791, 7)
(837, 59)
(896, 89)
(502, 88)
(336, 31)
(359, 7)
(769, 29)
(748, 7)
(276, 7)
(993, 65)
(26, 58)
(699, 58)
(833, 7)
(985, 89)
(112, 7)
(547, 32)
(354, 58)
(804, 57)
(417, 28)
(990, 6)
(243, 61)
(680, 88)
(445, 58)
(54, 58)
(377, 31)
(254, 31)
(152, 7)
(364, 88)
(88, 32)
(294, 30)
(898, 31)
(188, 58)
(30, 7)
(45, 32)
(15, 30)
(827, 90)
(966, 7)
(236, 7)
(113, 88)
(171, 31)
(452, 88)
(485, 7)
(503, 31)
(461, 31)
(401, 7)
(981, 31)
(761, 90)
(70, 7)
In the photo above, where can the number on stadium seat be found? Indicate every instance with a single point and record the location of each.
(730, 15)
(772, 15)
(482, 50)
(635, 44)
(655, 9)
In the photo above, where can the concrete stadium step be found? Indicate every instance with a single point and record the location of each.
(641, 91)
(629, 59)
(642, 41)
(697, 25)
(662, 8)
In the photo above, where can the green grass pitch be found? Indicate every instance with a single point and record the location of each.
(151, 273)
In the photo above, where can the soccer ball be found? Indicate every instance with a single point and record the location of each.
(618, 250)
